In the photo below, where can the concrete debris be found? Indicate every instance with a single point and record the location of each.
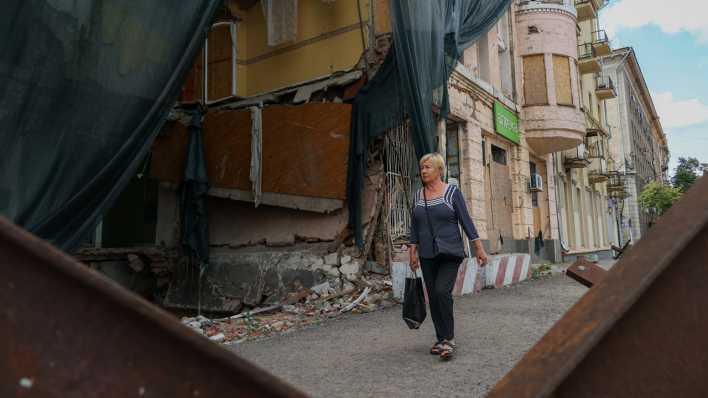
(373, 266)
(219, 337)
(323, 289)
(350, 270)
(314, 306)
(357, 301)
(332, 259)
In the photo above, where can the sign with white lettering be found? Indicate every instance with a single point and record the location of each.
(506, 123)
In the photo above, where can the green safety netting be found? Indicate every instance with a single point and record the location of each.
(86, 86)
(429, 37)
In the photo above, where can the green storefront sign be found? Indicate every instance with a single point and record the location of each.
(506, 123)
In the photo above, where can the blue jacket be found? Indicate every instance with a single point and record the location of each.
(446, 213)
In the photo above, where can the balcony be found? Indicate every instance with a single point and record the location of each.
(587, 9)
(587, 59)
(576, 158)
(604, 88)
(595, 142)
(598, 171)
(615, 185)
(600, 43)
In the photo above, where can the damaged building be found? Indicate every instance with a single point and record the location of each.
(269, 104)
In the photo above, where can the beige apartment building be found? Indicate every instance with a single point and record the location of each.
(638, 144)
(544, 189)
(508, 183)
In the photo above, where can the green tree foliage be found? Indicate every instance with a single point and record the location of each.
(687, 172)
(656, 195)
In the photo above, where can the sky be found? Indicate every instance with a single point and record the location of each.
(670, 39)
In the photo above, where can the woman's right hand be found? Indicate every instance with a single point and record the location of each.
(414, 264)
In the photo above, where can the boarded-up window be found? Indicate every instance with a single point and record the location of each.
(561, 75)
(535, 91)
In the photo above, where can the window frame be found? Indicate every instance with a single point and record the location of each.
(205, 62)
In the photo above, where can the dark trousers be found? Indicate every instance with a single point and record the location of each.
(440, 274)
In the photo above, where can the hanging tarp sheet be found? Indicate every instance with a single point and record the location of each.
(84, 88)
(195, 186)
(429, 37)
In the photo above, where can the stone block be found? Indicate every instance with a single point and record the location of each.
(332, 259)
(350, 270)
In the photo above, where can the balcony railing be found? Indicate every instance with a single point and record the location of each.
(586, 51)
(595, 4)
(576, 158)
(601, 43)
(599, 36)
(587, 9)
(616, 185)
(598, 171)
(587, 61)
(604, 88)
(596, 146)
(604, 82)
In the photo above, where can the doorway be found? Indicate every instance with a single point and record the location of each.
(499, 197)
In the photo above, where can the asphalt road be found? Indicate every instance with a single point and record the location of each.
(374, 354)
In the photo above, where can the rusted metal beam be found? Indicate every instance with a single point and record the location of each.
(585, 272)
(641, 331)
(67, 331)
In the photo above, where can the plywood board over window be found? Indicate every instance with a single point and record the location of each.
(561, 75)
(305, 150)
(535, 88)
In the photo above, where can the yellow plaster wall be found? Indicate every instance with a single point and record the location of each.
(262, 68)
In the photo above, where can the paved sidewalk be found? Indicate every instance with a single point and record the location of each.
(376, 355)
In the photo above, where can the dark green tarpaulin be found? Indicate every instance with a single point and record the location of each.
(195, 225)
(84, 88)
(429, 37)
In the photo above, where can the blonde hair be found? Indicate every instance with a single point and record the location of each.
(437, 160)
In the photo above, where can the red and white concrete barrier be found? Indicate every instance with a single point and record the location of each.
(507, 269)
(501, 270)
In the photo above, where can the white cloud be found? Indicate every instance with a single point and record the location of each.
(679, 113)
(670, 16)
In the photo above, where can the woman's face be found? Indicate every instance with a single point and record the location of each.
(428, 172)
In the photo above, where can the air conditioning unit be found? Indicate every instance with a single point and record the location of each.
(536, 183)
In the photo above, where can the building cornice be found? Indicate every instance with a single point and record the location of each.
(531, 6)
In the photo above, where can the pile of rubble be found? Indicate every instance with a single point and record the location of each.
(302, 309)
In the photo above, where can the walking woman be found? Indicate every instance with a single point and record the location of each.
(436, 241)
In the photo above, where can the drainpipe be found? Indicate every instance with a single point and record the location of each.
(558, 220)
(512, 56)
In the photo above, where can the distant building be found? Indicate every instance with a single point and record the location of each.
(638, 144)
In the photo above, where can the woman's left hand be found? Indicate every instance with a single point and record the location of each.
(481, 257)
(480, 254)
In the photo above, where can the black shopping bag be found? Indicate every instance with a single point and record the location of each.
(414, 303)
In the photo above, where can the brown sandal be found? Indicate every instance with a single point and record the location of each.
(435, 350)
(447, 350)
